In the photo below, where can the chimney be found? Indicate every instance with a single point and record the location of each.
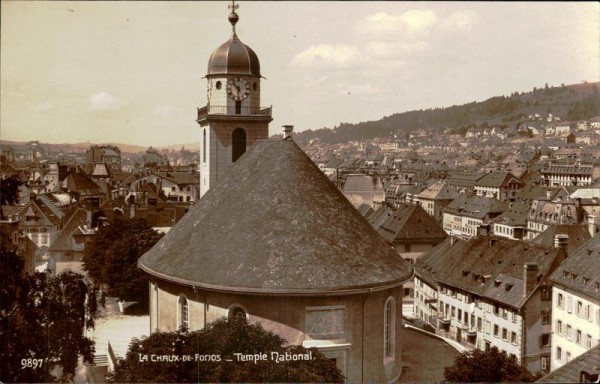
(530, 271)
(452, 239)
(287, 131)
(561, 241)
(592, 225)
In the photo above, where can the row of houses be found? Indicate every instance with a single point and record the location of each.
(61, 205)
(515, 265)
(536, 302)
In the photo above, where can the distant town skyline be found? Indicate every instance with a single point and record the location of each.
(132, 72)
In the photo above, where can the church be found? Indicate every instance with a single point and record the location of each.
(272, 240)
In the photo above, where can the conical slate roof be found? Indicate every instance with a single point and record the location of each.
(276, 224)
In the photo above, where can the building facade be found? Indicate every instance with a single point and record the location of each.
(576, 304)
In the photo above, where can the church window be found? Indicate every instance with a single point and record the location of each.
(255, 86)
(184, 313)
(389, 327)
(218, 85)
(204, 146)
(238, 141)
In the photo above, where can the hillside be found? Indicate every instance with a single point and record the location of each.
(570, 102)
(82, 147)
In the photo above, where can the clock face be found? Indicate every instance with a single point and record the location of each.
(238, 89)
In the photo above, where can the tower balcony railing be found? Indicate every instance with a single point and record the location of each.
(232, 110)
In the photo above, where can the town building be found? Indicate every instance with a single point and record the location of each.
(153, 159)
(582, 369)
(410, 230)
(466, 214)
(512, 224)
(492, 292)
(576, 304)
(435, 198)
(501, 185)
(107, 154)
(569, 174)
(554, 208)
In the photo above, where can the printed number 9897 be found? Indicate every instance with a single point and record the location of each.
(31, 363)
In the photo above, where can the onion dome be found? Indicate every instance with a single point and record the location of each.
(233, 57)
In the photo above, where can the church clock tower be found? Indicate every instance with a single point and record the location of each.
(233, 119)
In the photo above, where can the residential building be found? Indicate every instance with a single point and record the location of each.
(435, 198)
(554, 208)
(466, 214)
(512, 224)
(410, 230)
(464, 182)
(501, 185)
(569, 174)
(107, 154)
(67, 252)
(581, 369)
(576, 304)
(152, 159)
(493, 292)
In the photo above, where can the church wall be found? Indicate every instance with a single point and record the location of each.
(287, 316)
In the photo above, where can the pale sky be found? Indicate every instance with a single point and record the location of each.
(132, 72)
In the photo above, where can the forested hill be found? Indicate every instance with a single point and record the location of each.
(569, 102)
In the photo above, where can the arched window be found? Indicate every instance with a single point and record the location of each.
(183, 311)
(238, 142)
(204, 146)
(389, 329)
(237, 312)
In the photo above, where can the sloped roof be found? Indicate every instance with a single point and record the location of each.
(578, 235)
(409, 222)
(363, 183)
(64, 241)
(571, 371)
(581, 270)
(515, 216)
(464, 264)
(438, 191)
(101, 170)
(77, 182)
(275, 225)
(498, 179)
(475, 206)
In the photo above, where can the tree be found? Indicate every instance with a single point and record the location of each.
(42, 320)
(489, 366)
(9, 191)
(209, 351)
(111, 261)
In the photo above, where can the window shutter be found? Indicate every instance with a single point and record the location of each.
(570, 304)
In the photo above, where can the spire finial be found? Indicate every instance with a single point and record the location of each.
(233, 17)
